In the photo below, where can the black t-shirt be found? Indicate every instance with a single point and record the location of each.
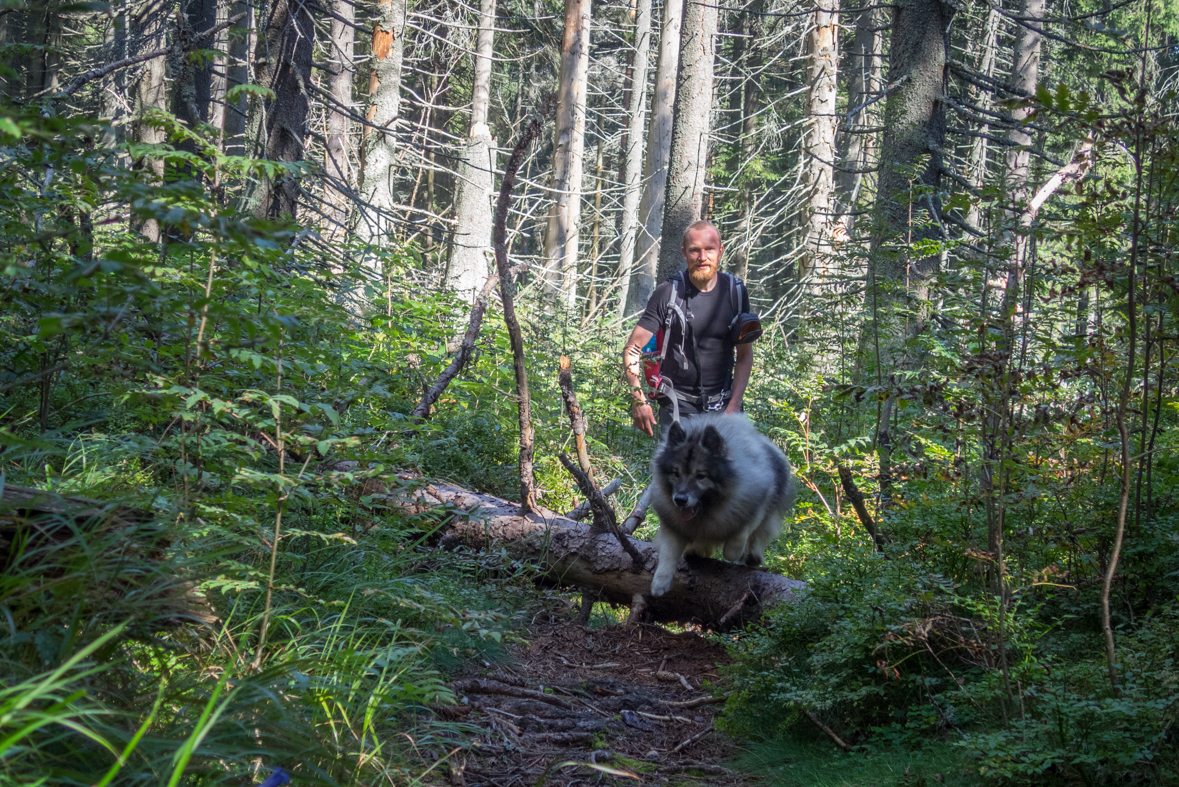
(709, 316)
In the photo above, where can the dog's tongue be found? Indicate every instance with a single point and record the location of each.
(687, 513)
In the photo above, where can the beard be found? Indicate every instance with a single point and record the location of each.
(700, 279)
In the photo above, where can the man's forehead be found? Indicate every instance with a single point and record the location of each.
(702, 235)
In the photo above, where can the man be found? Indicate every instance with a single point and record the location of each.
(701, 364)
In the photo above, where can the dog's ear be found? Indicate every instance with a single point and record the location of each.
(711, 440)
(676, 434)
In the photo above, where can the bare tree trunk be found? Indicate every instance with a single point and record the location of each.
(862, 63)
(474, 184)
(596, 232)
(378, 147)
(568, 157)
(44, 31)
(633, 151)
(337, 150)
(1025, 71)
(151, 93)
(239, 47)
(750, 102)
(658, 152)
(690, 131)
(284, 65)
(978, 146)
(818, 166)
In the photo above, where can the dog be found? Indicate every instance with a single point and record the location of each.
(717, 482)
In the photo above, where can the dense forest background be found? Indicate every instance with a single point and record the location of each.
(241, 240)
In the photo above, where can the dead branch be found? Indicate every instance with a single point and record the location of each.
(507, 292)
(486, 686)
(604, 516)
(857, 500)
(576, 416)
(691, 740)
(830, 732)
(96, 73)
(584, 508)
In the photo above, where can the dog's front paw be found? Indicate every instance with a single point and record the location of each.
(660, 584)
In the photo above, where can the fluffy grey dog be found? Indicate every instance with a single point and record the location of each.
(717, 482)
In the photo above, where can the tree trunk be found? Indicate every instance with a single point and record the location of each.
(284, 65)
(658, 152)
(862, 63)
(568, 157)
(150, 93)
(632, 153)
(475, 187)
(978, 146)
(705, 591)
(818, 166)
(43, 31)
(337, 150)
(238, 51)
(914, 135)
(742, 244)
(690, 131)
(378, 147)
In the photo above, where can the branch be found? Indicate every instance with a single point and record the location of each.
(576, 416)
(603, 511)
(857, 501)
(1074, 170)
(96, 73)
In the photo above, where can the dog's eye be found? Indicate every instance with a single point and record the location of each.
(701, 476)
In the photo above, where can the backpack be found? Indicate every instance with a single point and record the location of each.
(744, 328)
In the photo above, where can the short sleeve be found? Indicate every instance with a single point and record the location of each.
(656, 311)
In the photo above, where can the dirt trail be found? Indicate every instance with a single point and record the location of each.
(621, 697)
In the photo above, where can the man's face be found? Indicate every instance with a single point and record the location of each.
(702, 249)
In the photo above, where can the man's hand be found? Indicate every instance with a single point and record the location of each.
(644, 417)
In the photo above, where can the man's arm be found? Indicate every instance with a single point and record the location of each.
(632, 369)
(741, 371)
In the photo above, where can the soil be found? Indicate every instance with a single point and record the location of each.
(620, 697)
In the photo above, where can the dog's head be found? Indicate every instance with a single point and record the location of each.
(694, 469)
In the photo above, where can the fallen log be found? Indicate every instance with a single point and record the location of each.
(709, 592)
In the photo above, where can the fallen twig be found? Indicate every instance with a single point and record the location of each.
(484, 686)
(692, 740)
(636, 517)
(736, 608)
(830, 732)
(696, 703)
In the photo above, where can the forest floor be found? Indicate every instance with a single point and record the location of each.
(631, 698)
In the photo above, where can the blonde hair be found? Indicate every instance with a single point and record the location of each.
(698, 225)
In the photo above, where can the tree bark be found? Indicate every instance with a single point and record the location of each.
(983, 98)
(337, 150)
(658, 152)
(690, 131)
(570, 553)
(742, 244)
(632, 153)
(862, 63)
(474, 185)
(914, 135)
(378, 147)
(283, 62)
(150, 93)
(818, 167)
(238, 49)
(561, 239)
